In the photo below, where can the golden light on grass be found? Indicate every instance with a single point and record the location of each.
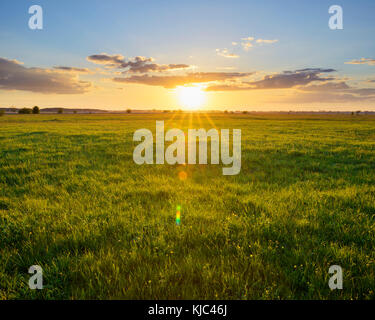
(191, 98)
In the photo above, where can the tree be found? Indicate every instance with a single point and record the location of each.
(2, 112)
(128, 111)
(60, 110)
(36, 110)
(25, 111)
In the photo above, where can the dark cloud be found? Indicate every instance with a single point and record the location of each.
(138, 64)
(332, 92)
(329, 86)
(174, 81)
(284, 80)
(364, 92)
(309, 84)
(72, 69)
(106, 59)
(290, 79)
(313, 70)
(327, 96)
(14, 76)
(341, 87)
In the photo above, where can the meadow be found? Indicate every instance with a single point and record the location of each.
(73, 201)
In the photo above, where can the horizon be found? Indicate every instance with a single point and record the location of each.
(181, 55)
(177, 110)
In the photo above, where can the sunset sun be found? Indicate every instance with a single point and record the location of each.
(191, 97)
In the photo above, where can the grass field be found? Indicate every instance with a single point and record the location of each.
(73, 201)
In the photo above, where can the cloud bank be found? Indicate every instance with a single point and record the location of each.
(14, 76)
(138, 64)
(284, 80)
(174, 81)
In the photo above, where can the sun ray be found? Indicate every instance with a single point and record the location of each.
(199, 120)
(171, 118)
(210, 120)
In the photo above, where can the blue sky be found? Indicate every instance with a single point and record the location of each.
(189, 32)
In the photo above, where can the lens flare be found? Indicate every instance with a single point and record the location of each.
(178, 215)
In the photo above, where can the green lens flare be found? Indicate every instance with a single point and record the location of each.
(178, 215)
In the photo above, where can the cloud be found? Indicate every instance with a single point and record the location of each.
(174, 81)
(228, 87)
(332, 92)
(368, 61)
(14, 76)
(225, 53)
(266, 41)
(340, 86)
(290, 79)
(284, 80)
(249, 42)
(328, 86)
(327, 97)
(114, 60)
(246, 45)
(364, 92)
(248, 39)
(137, 64)
(327, 92)
(72, 69)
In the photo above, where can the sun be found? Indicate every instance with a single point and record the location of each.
(191, 97)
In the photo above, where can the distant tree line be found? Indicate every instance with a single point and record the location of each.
(34, 110)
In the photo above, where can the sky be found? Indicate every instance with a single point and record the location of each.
(228, 55)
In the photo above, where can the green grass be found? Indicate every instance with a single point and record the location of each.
(73, 201)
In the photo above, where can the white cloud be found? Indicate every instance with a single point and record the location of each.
(250, 42)
(246, 45)
(226, 54)
(248, 39)
(368, 61)
(266, 41)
